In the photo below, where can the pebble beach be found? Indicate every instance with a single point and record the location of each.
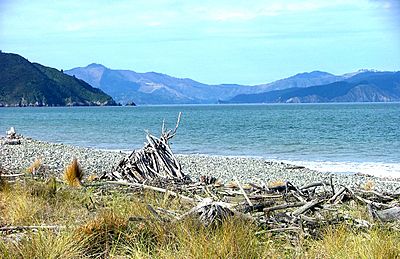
(56, 156)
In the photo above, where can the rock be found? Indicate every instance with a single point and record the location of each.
(131, 103)
(14, 141)
(12, 138)
(11, 134)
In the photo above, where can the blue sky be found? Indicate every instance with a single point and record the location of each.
(246, 42)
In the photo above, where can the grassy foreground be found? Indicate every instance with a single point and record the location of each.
(99, 223)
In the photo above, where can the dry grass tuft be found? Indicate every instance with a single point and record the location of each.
(108, 233)
(232, 184)
(34, 202)
(21, 207)
(107, 221)
(369, 185)
(92, 178)
(73, 174)
(43, 244)
(34, 167)
(276, 183)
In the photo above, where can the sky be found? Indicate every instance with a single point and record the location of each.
(220, 41)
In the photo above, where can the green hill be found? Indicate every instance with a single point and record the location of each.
(23, 83)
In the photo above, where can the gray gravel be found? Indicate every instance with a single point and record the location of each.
(16, 158)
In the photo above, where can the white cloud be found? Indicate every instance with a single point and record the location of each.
(153, 23)
(241, 11)
(226, 15)
(73, 27)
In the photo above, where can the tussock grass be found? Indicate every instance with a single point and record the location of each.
(346, 243)
(73, 174)
(43, 244)
(33, 202)
(101, 233)
(34, 167)
(115, 224)
(20, 207)
(233, 239)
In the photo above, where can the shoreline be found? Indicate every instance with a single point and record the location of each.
(56, 156)
(377, 169)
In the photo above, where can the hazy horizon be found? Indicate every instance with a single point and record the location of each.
(211, 42)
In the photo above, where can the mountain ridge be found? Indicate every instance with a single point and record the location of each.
(362, 87)
(23, 83)
(158, 88)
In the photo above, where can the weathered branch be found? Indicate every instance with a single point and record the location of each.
(309, 205)
(244, 193)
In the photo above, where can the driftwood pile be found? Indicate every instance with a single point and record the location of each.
(306, 209)
(281, 208)
(154, 161)
(278, 208)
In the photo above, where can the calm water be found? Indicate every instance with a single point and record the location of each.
(330, 137)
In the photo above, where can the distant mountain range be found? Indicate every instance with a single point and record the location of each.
(127, 86)
(362, 87)
(155, 88)
(302, 80)
(23, 83)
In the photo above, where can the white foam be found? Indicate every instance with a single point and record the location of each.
(391, 170)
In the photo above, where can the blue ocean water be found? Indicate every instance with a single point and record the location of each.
(330, 137)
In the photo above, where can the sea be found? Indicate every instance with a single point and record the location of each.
(339, 138)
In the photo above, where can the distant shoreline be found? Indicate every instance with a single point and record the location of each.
(201, 104)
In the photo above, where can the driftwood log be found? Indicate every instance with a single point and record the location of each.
(154, 161)
(391, 214)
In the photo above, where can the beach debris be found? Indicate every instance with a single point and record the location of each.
(139, 186)
(208, 179)
(280, 209)
(391, 214)
(154, 161)
(11, 137)
(21, 228)
(209, 212)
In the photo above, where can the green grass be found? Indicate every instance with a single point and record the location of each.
(116, 224)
